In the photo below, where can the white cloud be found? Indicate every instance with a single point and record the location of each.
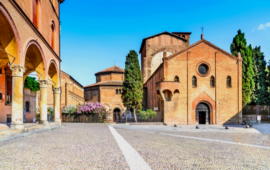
(264, 26)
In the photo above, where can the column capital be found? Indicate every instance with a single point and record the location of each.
(57, 90)
(43, 83)
(17, 70)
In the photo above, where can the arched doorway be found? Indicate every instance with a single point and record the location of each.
(116, 115)
(202, 114)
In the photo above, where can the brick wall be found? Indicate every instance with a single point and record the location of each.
(155, 45)
(48, 12)
(224, 102)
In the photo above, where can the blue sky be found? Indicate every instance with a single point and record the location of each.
(95, 34)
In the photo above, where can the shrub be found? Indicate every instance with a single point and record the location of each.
(147, 114)
(70, 109)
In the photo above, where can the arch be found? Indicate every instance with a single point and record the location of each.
(168, 95)
(53, 73)
(229, 81)
(194, 81)
(34, 59)
(176, 79)
(116, 91)
(11, 45)
(202, 113)
(157, 60)
(212, 81)
(116, 114)
(204, 98)
(176, 91)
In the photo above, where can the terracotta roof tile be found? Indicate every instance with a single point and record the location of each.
(106, 83)
(112, 69)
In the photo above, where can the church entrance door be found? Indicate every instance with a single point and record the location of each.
(116, 115)
(202, 114)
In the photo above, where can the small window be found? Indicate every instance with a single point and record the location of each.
(52, 35)
(229, 82)
(176, 79)
(203, 69)
(120, 92)
(1, 96)
(27, 106)
(212, 81)
(0, 70)
(194, 81)
(183, 36)
(117, 91)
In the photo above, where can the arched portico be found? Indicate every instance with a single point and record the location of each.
(53, 77)
(10, 64)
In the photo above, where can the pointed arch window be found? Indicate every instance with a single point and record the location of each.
(53, 35)
(229, 82)
(117, 92)
(212, 81)
(176, 79)
(194, 81)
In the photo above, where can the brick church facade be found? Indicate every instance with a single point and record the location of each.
(190, 84)
(107, 90)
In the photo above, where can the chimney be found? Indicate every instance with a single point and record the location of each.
(165, 54)
(239, 55)
(202, 36)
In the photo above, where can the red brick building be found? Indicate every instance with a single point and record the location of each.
(29, 42)
(190, 84)
(107, 90)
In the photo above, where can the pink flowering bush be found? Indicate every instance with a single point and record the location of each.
(93, 108)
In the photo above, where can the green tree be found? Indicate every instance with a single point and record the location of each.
(259, 96)
(267, 83)
(239, 44)
(132, 94)
(32, 84)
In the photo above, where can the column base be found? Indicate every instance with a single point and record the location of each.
(17, 125)
(59, 121)
(44, 122)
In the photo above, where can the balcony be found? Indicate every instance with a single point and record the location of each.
(166, 89)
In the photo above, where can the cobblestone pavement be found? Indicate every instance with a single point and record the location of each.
(92, 146)
(252, 138)
(167, 152)
(75, 146)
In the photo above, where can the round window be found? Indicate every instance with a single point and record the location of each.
(203, 69)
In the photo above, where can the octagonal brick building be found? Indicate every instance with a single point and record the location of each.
(107, 90)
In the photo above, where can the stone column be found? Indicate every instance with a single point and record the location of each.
(43, 101)
(17, 96)
(57, 109)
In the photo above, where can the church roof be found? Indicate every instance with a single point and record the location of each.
(106, 83)
(113, 69)
(189, 47)
(165, 32)
(199, 42)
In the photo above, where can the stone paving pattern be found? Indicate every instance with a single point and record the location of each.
(163, 152)
(253, 138)
(75, 146)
